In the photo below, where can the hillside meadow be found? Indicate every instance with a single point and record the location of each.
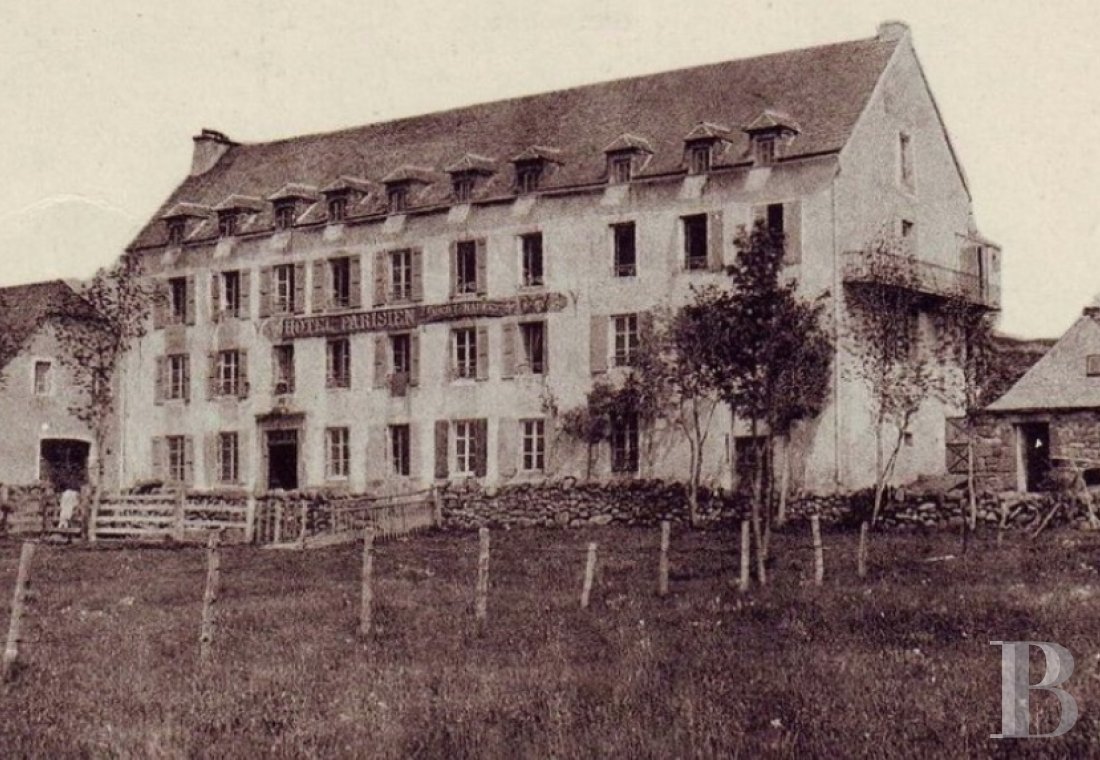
(896, 665)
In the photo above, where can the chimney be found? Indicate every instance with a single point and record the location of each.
(892, 31)
(210, 146)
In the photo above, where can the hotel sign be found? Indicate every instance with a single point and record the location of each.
(408, 317)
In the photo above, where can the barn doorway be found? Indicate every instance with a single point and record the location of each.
(64, 463)
(1034, 441)
(282, 459)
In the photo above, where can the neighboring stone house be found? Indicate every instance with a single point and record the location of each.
(42, 439)
(392, 306)
(1048, 421)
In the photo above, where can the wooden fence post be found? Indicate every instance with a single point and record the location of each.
(302, 529)
(250, 519)
(277, 528)
(589, 575)
(178, 530)
(481, 607)
(861, 551)
(819, 557)
(746, 548)
(662, 573)
(18, 605)
(367, 595)
(209, 597)
(437, 507)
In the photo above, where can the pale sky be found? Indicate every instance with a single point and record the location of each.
(101, 100)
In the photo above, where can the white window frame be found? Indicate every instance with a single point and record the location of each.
(175, 458)
(177, 300)
(339, 282)
(283, 371)
(337, 376)
(527, 280)
(525, 330)
(337, 453)
(229, 373)
(465, 447)
(400, 283)
(400, 449)
(465, 254)
(624, 339)
(176, 382)
(533, 445)
(45, 388)
(228, 465)
(464, 353)
(282, 301)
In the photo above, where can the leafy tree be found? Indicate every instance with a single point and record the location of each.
(92, 347)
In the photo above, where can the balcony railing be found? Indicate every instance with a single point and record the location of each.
(888, 269)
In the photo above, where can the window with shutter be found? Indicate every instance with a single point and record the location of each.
(695, 241)
(625, 253)
(401, 450)
(531, 259)
(465, 267)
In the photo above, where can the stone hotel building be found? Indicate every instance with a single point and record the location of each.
(395, 305)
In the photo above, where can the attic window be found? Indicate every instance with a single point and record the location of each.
(905, 160)
(397, 198)
(462, 187)
(176, 230)
(1092, 365)
(227, 223)
(765, 150)
(337, 208)
(620, 168)
(284, 215)
(528, 175)
(699, 158)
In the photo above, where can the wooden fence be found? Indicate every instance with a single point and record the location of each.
(27, 514)
(163, 516)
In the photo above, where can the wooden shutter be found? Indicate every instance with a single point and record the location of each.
(379, 278)
(320, 302)
(188, 460)
(508, 350)
(507, 451)
(442, 429)
(242, 374)
(246, 294)
(299, 288)
(792, 230)
(379, 460)
(597, 346)
(158, 449)
(452, 258)
(715, 241)
(956, 458)
(381, 362)
(759, 216)
(481, 447)
(482, 353)
(187, 378)
(414, 451)
(546, 347)
(414, 358)
(242, 459)
(482, 267)
(189, 316)
(265, 292)
(355, 287)
(211, 458)
(160, 304)
(417, 258)
(161, 380)
(215, 296)
(212, 374)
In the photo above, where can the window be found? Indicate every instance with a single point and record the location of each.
(534, 445)
(228, 378)
(695, 241)
(624, 443)
(466, 267)
(620, 169)
(462, 188)
(1092, 365)
(397, 198)
(338, 363)
(465, 352)
(228, 464)
(401, 449)
(337, 453)
(227, 223)
(337, 208)
(905, 160)
(774, 219)
(340, 293)
(177, 458)
(42, 380)
(765, 150)
(177, 300)
(626, 339)
(533, 335)
(626, 262)
(231, 293)
(179, 376)
(528, 176)
(531, 259)
(283, 302)
(284, 216)
(176, 230)
(906, 228)
(401, 347)
(283, 361)
(699, 159)
(465, 447)
(401, 275)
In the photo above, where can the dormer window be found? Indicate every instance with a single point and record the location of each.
(528, 176)
(397, 198)
(765, 150)
(625, 156)
(176, 231)
(699, 158)
(227, 223)
(531, 167)
(770, 132)
(620, 169)
(466, 172)
(337, 208)
(462, 188)
(284, 215)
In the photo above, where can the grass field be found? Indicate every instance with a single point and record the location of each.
(898, 665)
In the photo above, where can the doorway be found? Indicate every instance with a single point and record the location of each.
(64, 462)
(282, 460)
(1034, 444)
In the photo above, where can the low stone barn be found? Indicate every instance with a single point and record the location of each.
(1047, 423)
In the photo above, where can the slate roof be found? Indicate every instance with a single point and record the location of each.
(1058, 381)
(23, 309)
(823, 89)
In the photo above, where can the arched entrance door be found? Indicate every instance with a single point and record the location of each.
(64, 462)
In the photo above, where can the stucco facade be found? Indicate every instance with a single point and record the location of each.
(831, 202)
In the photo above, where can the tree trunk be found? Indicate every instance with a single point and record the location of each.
(757, 494)
(784, 483)
(693, 488)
